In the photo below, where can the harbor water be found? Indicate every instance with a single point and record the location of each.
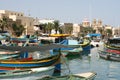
(90, 61)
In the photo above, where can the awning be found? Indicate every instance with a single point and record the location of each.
(94, 35)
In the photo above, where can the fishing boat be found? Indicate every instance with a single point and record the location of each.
(2, 37)
(29, 63)
(71, 43)
(27, 74)
(111, 47)
(85, 44)
(80, 76)
(74, 51)
(33, 48)
(59, 35)
(113, 43)
(96, 42)
(113, 51)
(109, 55)
(24, 38)
(103, 54)
(9, 54)
(54, 59)
(2, 52)
(73, 47)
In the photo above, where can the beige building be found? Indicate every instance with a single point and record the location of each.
(76, 30)
(97, 24)
(116, 31)
(68, 28)
(108, 27)
(85, 23)
(27, 22)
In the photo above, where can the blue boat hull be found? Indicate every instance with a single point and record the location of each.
(29, 64)
(88, 47)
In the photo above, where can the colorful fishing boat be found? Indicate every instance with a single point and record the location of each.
(9, 54)
(71, 43)
(113, 51)
(85, 44)
(59, 35)
(96, 42)
(33, 48)
(113, 43)
(54, 59)
(75, 51)
(23, 39)
(80, 76)
(111, 47)
(27, 74)
(109, 56)
(51, 60)
(73, 47)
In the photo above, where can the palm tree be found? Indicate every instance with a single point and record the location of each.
(3, 23)
(42, 27)
(49, 27)
(18, 29)
(60, 30)
(56, 26)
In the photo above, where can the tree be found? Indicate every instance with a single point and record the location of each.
(109, 32)
(60, 30)
(18, 29)
(56, 26)
(42, 27)
(3, 23)
(94, 31)
(87, 30)
(69, 29)
(49, 27)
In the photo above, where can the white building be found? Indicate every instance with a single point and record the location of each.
(46, 21)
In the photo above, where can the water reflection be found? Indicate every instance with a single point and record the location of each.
(79, 56)
(90, 61)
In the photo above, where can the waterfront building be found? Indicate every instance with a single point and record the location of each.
(108, 27)
(86, 23)
(94, 23)
(108, 31)
(41, 24)
(76, 30)
(46, 21)
(97, 25)
(27, 22)
(68, 28)
(116, 31)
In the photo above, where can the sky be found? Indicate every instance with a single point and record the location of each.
(73, 11)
